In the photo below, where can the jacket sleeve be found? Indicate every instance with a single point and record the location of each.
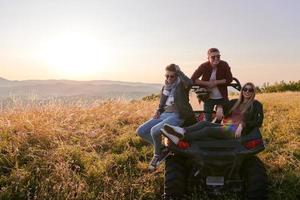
(229, 77)
(186, 81)
(197, 74)
(162, 102)
(258, 116)
(228, 74)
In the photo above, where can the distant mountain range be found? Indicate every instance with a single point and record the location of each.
(103, 89)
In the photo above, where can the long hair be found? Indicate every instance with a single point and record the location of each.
(241, 99)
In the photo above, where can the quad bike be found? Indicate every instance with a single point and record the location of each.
(217, 169)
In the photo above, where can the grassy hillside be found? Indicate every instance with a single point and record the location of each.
(55, 151)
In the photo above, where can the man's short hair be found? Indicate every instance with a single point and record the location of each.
(171, 67)
(211, 50)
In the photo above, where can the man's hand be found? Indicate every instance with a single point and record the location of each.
(156, 115)
(238, 131)
(212, 84)
(219, 113)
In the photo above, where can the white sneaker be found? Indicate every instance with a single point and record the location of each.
(174, 130)
(153, 163)
(174, 139)
(158, 159)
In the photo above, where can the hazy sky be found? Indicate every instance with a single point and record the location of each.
(134, 40)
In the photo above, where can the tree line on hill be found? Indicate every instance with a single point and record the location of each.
(279, 87)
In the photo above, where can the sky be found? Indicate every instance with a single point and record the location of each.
(134, 40)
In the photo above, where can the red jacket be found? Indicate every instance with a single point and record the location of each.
(223, 72)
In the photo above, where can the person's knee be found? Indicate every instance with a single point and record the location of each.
(140, 131)
(155, 131)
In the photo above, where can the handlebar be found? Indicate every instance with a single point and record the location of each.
(235, 84)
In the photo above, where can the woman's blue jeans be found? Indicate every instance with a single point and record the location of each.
(150, 130)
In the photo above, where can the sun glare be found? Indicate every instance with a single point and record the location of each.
(75, 56)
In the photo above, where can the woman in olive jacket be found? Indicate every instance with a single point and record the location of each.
(174, 108)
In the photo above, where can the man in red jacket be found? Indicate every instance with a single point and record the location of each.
(215, 76)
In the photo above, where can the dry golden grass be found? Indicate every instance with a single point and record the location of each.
(58, 151)
(281, 131)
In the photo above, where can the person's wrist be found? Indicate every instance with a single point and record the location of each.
(219, 107)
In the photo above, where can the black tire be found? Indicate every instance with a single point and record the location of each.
(255, 177)
(175, 177)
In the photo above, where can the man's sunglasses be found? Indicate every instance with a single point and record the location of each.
(248, 90)
(169, 76)
(214, 57)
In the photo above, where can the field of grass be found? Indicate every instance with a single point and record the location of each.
(58, 151)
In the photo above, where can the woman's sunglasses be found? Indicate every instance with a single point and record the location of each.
(248, 90)
(169, 76)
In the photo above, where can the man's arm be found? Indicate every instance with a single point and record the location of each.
(228, 77)
(203, 83)
(197, 74)
(186, 81)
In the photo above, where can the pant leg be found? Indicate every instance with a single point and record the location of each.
(217, 132)
(144, 130)
(171, 118)
(208, 108)
(198, 126)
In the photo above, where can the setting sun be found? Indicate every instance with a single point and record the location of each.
(75, 55)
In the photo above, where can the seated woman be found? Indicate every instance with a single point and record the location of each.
(241, 116)
(174, 108)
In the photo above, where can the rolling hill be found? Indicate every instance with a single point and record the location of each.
(103, 89)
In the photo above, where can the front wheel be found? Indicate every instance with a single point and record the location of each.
(255, 177)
